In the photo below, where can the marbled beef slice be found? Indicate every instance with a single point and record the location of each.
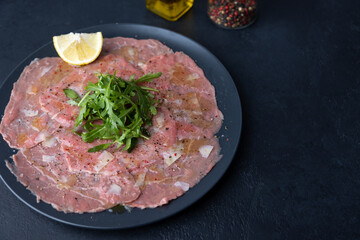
(182, 131)
(104, 188)
(137, 52)
(163, 182)
(25, 125)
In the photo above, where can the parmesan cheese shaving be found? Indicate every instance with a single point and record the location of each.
(30, 113)
(104, 158)
(64, 179)
(205, 150)
(55, 115)
(183, 185)
(160, 120)
(163, 201)
(114, 189)
(31, 90)
(45, 70)
(192, 77)
(140, 179)
(131, 52)
(42, 136)
(48, 158)
(49, 142)
(172, 155)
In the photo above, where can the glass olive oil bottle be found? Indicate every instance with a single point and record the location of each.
(171, 10)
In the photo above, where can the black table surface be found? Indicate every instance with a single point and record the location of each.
(297, 70)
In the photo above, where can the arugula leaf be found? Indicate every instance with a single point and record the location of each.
(148, 77)
(99, 147)
(72, 102)
(132, 144)
(72, 95)
(115, 109)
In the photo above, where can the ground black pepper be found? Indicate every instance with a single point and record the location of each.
(232, 14)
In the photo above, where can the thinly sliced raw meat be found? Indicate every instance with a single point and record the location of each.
(194, 114)
(24, 123)
(77, 156)
(180, 74)
(47, 165)
(45, 188)
(137, 52)
(54, 163)
(188, 101)
(163, 183)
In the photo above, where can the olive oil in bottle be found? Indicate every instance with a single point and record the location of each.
(171, 10)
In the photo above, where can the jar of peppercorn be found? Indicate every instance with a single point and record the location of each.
(231, 14)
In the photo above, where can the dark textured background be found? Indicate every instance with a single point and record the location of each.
(297, 69)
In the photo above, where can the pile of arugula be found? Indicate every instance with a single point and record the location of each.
(114, 109)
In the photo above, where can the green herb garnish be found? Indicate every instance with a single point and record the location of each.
(115, 109)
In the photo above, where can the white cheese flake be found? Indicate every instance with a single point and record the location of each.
(44, 70)
(55, 115)
(49, 142)
(172, 155)
(163, 201)
(131, 52)
(42, 136)
(104, 158)
(48, 158)
(205, 150)
(183, 185)
(195, 105)
(30, 112)
(192, 77)
(140, 179)
(31, 90)
(114, 189)
(160, 120)
(64, 179)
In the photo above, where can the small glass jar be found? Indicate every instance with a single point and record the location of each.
(231, 14)
(171, 10)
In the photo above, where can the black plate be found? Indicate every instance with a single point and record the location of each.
(229, 135)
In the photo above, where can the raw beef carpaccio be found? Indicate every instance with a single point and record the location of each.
(54, 163)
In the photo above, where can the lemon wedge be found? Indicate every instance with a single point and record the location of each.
(78, 48)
